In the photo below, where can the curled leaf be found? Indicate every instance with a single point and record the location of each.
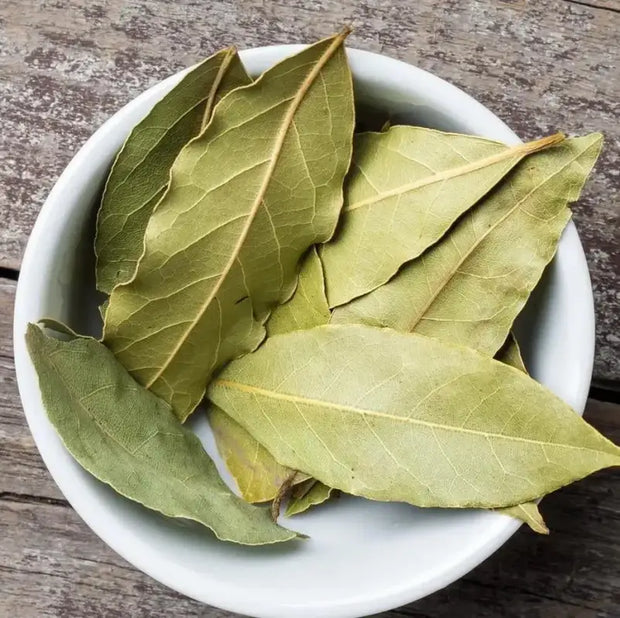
(317, 493)
(257, 474)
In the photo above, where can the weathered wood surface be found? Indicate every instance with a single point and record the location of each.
(66, 66)
(52, 565)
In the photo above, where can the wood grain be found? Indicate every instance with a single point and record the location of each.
(52, 565)
(66, 66)
(7, 294)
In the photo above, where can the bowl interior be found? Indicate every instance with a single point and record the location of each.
(362, 556)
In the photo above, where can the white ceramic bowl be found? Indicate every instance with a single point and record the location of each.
(363, 557)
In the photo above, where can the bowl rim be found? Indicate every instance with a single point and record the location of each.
(360, 605)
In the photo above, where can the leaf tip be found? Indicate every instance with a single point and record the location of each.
(33, 331)
(344, 32)
(599, 140)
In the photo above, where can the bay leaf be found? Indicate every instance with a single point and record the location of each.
(247, 198)
(128, 438)
(317, 494)
(303, 488)
(257, 474)
(140, 172)
(406, 187)
(404, 417)
(59, 328)
(469, 287)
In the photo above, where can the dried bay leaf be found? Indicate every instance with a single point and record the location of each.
(261, 184)
(316, 494)
(141, 169)
(257, 474)
(303, 488)
(406, 187)
(398, 416)
(128, 438)
(470, 286)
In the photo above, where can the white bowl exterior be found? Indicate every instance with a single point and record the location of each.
(362, 557)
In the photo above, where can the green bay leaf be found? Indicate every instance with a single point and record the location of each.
(404, 417)
(406, 187)
(141, 169)
(257, 474)
(261, 184)
(470, 286)
(128, 438)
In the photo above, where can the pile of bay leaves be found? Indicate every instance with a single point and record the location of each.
(341, 301)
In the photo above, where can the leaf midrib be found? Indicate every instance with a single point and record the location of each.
(258, 391)
(463, 258)
(209, 101)
(215, 86)
(519, 151)
(277, 149)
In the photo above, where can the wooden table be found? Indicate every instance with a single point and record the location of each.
(65, 66)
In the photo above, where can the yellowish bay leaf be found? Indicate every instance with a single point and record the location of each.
(470, 286)
(397, 416)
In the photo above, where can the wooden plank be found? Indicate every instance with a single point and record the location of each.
(21, 468)
(51, 564)
(540, 66)
(7, 294)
